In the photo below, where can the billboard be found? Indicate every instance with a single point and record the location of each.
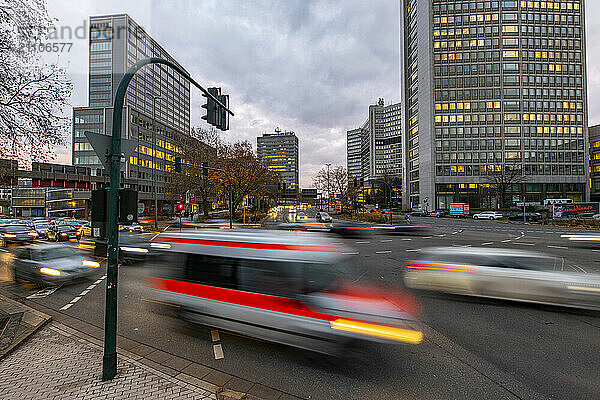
(575, 210)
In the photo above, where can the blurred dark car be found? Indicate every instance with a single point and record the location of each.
(323, 217)
(134, 247)
(50, 264)
(42, 229)
(418, 213)
(529, 216)
(86, 229)
(132, 228)
(60, 233)
(16, 233)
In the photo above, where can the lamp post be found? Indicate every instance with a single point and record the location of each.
(154, 160)
(328, 193)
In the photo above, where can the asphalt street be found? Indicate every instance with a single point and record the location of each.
(473, 348)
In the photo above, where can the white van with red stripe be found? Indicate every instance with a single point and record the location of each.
(293, 288)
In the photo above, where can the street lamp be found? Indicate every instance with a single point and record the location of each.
(154, 160)
(328, 193)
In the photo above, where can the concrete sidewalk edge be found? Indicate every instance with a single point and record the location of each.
(30, 322)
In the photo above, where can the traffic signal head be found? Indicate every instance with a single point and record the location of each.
(223, 115)
(177, 164)
(205, 168)
(180, 207)
(355, 182)
(212, 109)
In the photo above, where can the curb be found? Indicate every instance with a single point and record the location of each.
(26, 322)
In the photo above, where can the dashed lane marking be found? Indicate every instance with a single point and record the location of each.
(218, 350)
(83, 293)
(557, 247)
(214, 335)
(505, 241)
(413, 249)
(385, 241)
(524, 244)
(363, 242)
(442, 235)
(351, 253)
(487, 243)
(426, 237)
(383, 252)
(406, 239)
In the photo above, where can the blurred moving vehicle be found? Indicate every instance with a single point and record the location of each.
(86, 229)
(529, 216)
(418, 213)
(60, 233)
(133, 247)
(437, 213)
(488, 215)
(504, 274)
(132, 228)
(49, 264)
(42, 229)
(322, 216)
(301, 215)
(16, 233)
(289, 287)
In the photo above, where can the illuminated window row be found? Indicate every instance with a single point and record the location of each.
(550, 5)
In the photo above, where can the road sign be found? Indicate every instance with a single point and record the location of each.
(102, 147)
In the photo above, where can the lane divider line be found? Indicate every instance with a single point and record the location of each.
(383, 252)
(557, 247)
(66, 307)
(505, 241)
(486, 243)
(217, 347)
(83, 293)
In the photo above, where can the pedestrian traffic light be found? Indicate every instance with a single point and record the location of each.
(223, 115)
(212, 109)
(205, 168)
(177, 164)
(180, 207)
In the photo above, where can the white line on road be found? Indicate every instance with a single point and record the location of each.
(504, 241)
(218, 350)
(42, 293)
(93, 285)
(486, 243)
(76, 299)
(442, 235)
(557, 247)
(413, 249)
(406, 239)
(426, 237)
(363, 242)
(214, 335)
(385, 241)
(351, 253)
(383, 252)
(524, 244)
(454, 233)
(86, 291)
(66, 307)
(98, 281)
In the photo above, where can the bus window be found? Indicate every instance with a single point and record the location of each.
(270, 277)
(212, 271)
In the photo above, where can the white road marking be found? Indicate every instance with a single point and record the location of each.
(426, 237)
(385, 241)
(93, 285)
(442, 235)
(461, 245)
(557, 247)
(383, 252)
(351, 253)
(76, 299)
(214, 335)
(524, 244)
(86, 291)
(504, 241)
(5, 251)
(98, 281)
(337, 243)
(486, 243)
(595, 250)
(454, 233)
(83, 293)
(413, 249)
(66, 307)
(406, 239)
(43, 293)
(218, 350)
(363, 242)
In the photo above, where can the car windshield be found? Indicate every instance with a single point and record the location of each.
(42, 226)
(318, 277)
(53, 253)
(65, 228)
(324, 215)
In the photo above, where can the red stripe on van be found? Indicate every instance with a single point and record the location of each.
(255, 300)
(246, 245)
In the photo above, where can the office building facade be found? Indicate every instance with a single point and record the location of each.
(594, 135)
(491, 86)
(374, 149)
(156, 110)
(280, 153)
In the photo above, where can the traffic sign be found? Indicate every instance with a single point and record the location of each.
(102, 147)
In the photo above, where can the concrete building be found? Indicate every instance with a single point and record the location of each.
(374, 149)
(594, 134)
(489, 86)
(280, 152)
(157, 123)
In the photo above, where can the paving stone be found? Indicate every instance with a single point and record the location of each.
(264, 392)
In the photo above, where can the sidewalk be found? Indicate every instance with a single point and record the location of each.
(55, 364)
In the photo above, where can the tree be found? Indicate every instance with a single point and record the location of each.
(247, 172)
(501, 178)
(32, 94)
(201, 146)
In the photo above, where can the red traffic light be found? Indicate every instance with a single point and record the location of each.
(180, 206)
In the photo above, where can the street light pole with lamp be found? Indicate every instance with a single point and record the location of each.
(328, 187)
(154, 160)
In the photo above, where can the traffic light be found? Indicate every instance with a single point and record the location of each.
(223, 115)
(205, 168)
(355, 182)
(180, 207)
(177, 164)
(212, 109)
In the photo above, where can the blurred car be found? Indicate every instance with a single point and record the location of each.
(288, 287)
(86, 229)
(322, 216)
(42, 229)
(133, 247)
(132, 228)
(488, 215)
(301, 215)
(50, 264)
(418, 213)
(529, 216)
(60, 233)
(504, 274)
(437, 213)
(16, 233)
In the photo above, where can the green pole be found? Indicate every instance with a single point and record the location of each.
(109, 359)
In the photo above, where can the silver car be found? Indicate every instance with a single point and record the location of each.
(51, 264)
(504, 274)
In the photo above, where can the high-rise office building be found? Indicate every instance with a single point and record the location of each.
(594, 135)
(374, 149)
(489, 86)
(280, 152)
(156, 108)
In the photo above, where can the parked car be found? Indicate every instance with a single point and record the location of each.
(16, 233)
(322, 216)
(488, 215)
(504, 274)
(50, 264)
(437, 213)
(529, 216)
(60, 233)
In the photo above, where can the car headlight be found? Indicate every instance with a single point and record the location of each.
(134, 249)
(63, 234)
(10, 235)
(89, 263)
(34, 234)
(49, 271)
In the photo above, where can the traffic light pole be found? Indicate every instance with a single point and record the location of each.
(109, 359)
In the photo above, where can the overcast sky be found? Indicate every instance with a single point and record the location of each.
(312, 67)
